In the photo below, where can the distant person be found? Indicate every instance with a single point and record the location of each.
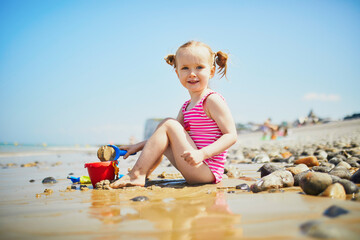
(268, 127)
(197, 141)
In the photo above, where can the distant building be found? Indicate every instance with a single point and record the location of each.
(150, 126)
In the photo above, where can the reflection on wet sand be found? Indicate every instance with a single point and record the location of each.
(187, 213)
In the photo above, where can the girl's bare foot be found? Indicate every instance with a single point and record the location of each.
(106, 153)
(127, 181)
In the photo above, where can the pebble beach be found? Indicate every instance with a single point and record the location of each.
(303, 186)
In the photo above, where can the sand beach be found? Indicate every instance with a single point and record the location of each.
(168, 208)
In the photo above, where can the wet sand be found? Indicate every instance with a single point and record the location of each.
(174, 210)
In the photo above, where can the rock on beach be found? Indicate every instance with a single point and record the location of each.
(308, 161)
(335, 190)
(314, 183)
(277, 179)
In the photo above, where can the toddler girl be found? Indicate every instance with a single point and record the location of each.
(196, 142)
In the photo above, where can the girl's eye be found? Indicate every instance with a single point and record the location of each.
(199, 67)
(184, 68)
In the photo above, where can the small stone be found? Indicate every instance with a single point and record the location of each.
(32, 180)
(231, 192)
(49, 180)
(313, 183)
(48, 191)
(298, 176)
(243, 186)
(277, 179)
(349, 186)
(139, 199)
(344, 165)
(308, 161)
(335, 160)
(261, 158)
(320, 154)
(335, 190)
(341, 172)
(355, 178)
(38, 195)
(353, 162)
(324, 169)
(335, 211)
(267, 168)
(322, 230)
(73, 187)
(298, 169)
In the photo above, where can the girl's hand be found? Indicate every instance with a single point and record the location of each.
(130, 149)
(194, 157)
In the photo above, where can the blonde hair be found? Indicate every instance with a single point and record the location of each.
(219, 58)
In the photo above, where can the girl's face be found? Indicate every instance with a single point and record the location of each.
(194, 68)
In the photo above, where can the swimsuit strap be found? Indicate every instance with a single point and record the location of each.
(204, 98)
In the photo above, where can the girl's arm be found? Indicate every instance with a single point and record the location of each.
(217, 109)
(134, 148)
(180, 117)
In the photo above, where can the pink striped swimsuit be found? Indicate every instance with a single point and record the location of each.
(204, 131)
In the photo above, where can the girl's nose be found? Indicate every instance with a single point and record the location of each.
(192, 74)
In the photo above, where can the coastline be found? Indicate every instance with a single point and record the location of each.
(174, 210)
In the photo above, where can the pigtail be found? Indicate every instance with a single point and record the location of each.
(221, 60)
(170, 59)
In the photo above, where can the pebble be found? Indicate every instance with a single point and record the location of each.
(344, 165)
(298, 176)
(31, 180)
(340, 172)
(335, 211)
(243, 186)
(139, 199)
(104, 184)
(267, 169)
(353, 162)
(349, 186)
(48, 180)
(335, 190)
(321, 154)
(308, 161)
(355, 178)
(335, 160)
(84, 188)
(261, 158)
(48, 191)
(318, 229)
(314, 183)
(277, 179)
(298, 169)
(324, 169)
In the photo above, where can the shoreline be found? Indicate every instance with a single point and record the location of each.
(174, 209)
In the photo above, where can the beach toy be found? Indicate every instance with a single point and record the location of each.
(82, 179)
(99, 171)
(110, 154)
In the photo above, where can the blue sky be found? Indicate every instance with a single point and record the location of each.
(90, 72)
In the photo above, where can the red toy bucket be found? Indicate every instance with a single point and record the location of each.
(99, 171)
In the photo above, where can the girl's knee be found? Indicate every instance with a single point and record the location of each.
(169, 122)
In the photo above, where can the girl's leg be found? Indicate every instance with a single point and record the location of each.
(170, 133)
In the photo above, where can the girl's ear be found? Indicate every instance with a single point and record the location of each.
(176, 72)
(212, 72)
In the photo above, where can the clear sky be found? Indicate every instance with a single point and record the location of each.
(90, 72)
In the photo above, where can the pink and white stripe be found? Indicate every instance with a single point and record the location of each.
(204, 131)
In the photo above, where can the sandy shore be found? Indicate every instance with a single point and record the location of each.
(174, 210)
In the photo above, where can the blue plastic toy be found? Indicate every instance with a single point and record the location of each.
(118, 152)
